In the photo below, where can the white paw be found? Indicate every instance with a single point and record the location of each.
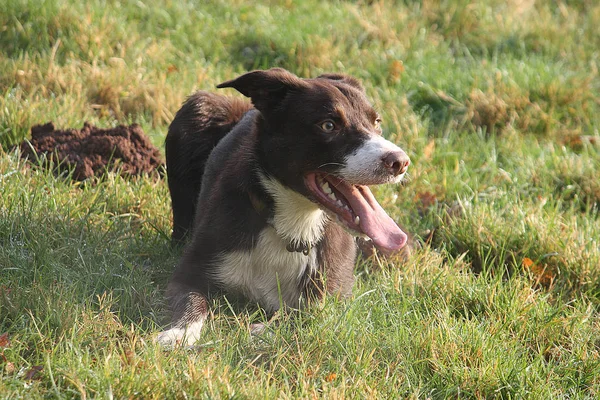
(174, 337)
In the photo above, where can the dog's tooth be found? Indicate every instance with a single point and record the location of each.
(339, 203)
(332, 196)
(326, 188)
(357, 220)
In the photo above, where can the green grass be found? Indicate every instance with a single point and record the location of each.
(497, 104)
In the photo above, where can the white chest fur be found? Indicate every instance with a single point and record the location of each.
(295, 218)
(268, 274)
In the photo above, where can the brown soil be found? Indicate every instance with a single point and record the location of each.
(92, 151)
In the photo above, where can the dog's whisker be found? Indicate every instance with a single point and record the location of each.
(330, 163)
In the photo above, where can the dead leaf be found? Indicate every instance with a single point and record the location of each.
(9, 367)
(427, 199)
(428, 150)
(330, 377)
(577, 142)
(33, 372)
(527, 262)
(542, 273)
(396, 70)
(129, 357)
(4, 340)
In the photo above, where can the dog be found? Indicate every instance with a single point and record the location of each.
(271, 194)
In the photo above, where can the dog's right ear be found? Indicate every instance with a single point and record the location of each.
(266, 88)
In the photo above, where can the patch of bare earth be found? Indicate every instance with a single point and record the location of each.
(91, 151)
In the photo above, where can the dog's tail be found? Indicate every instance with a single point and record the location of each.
(203, 120)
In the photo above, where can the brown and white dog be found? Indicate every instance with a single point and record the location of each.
(272, 195)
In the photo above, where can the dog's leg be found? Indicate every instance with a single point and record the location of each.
(190, 309)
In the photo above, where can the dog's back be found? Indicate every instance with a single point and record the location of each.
(203, 120)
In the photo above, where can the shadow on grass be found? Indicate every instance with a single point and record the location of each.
(70, 252)
(553, 255)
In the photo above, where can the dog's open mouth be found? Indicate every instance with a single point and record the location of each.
(356, 208)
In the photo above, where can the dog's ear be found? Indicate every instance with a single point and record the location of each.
(348, 80)
(266, 88)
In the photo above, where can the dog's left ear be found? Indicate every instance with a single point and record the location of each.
(265, 88)
(348, 80)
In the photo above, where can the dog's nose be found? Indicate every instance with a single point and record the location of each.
(396, 162)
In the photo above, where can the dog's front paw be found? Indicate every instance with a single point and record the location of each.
(174, 337)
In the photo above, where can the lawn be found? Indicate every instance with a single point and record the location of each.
(497, 104)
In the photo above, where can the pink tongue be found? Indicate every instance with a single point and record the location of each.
(374, 222)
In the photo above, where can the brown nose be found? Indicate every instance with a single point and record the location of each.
(396, 162)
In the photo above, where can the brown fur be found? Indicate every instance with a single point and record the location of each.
(203, 120)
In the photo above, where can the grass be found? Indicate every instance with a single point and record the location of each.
(496, 102)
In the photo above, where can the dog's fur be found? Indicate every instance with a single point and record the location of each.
(253, 187)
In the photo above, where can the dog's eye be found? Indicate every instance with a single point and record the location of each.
(378, 123)
(327, 126)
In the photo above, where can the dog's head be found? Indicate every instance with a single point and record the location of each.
(322, 138)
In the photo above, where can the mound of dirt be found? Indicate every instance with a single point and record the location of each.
(92, 151)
